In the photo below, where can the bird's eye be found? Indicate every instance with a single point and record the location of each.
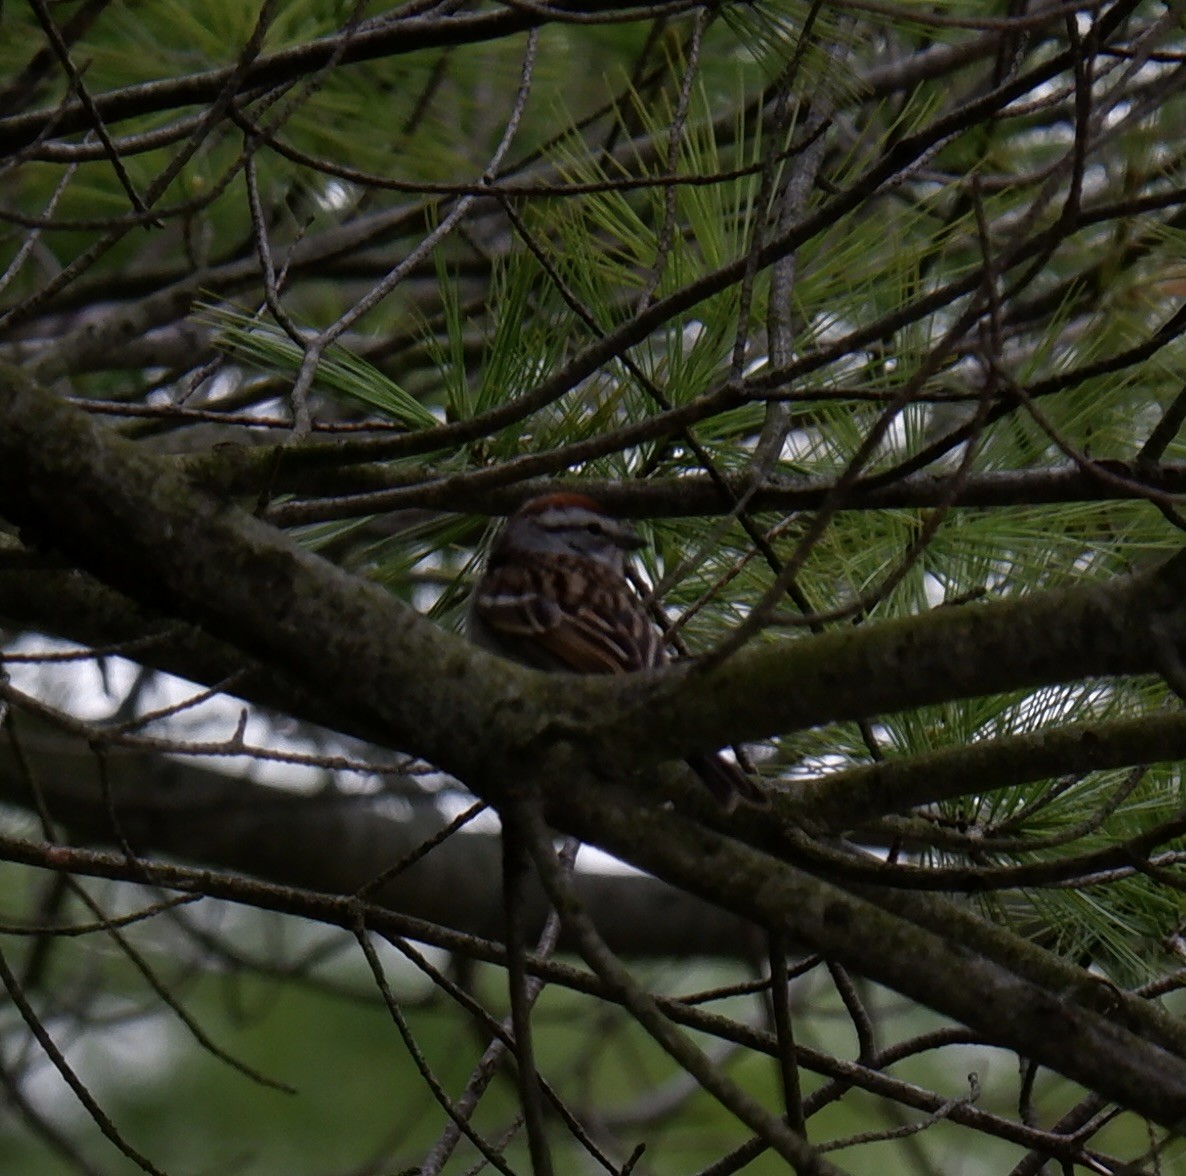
(594, 528)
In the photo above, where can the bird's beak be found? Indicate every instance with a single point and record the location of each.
(628, 538)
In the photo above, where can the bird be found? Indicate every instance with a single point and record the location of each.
(554, 596)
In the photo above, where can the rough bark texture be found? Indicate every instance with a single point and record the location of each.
(132, 521)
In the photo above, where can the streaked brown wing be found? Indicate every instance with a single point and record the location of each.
(513, 607)
(582, 614)
(583, 650)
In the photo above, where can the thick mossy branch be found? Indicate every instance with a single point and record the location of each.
(1017, 994)
(131, 520)
(851, 798)
(1128, 626)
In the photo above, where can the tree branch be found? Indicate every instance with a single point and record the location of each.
(129, 518)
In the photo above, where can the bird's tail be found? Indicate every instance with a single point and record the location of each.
(727, 782)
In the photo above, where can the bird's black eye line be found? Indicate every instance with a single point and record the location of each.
(594, 528)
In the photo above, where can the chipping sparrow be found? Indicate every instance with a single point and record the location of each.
(555, 596)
